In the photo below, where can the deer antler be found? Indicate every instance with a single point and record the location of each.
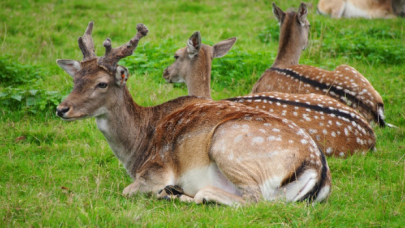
(86, 43)
(113, 55)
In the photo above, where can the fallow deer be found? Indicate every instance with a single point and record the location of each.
(344, 84)
(361, 8)
(336, 128)
(222, 151)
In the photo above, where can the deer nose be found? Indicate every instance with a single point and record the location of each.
(62, 111)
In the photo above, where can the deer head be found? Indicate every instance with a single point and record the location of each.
(194, 61)
(294, 32)
(97, 80)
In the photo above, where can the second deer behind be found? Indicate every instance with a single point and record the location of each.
(344, 84)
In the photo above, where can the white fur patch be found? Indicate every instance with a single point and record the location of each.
(270, 188)
(194, 180)
(323, 193)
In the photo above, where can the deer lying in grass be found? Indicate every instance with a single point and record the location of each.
(344, 84)
(360, 8)
(336, 128)
(222, 151)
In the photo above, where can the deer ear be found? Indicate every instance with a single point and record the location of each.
(121, 75)
(194, 44)
(70, 66)
(302, 13)
(278, 13)
(221, 48)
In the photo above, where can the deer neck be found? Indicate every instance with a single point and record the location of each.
(124, 126)
(199, 77)
(129, 128)
(289, 51)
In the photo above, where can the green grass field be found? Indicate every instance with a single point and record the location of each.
(60, 174)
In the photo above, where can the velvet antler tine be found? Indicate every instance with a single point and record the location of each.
(113, 55)
(128, 49)
(142, 31)
(107, 45)
(86, 44)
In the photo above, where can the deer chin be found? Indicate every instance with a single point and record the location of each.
(175, 80)
(73, 118)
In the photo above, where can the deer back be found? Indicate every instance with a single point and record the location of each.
(344, 84)
(336, 128)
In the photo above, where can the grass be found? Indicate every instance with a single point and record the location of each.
(64, 174)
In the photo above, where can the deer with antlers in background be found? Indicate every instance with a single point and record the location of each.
(344, 84)
(336, 128)
(195, 148)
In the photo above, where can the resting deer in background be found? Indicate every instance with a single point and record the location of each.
(344, 84)
(361, 8)
(221, 151)
(336, 128)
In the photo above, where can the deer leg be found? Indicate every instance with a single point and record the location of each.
(216, 195)
(131, 189)
(140, 185)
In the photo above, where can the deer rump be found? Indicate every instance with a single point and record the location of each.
(244, 151)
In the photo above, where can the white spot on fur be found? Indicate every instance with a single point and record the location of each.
(238, 138)
(257, 140)
(262, 130)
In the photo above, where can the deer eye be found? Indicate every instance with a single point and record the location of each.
(176, 56)
(102, 85)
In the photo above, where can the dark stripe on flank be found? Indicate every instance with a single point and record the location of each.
(324, 109)
(294, 176)
(312, 195)
(331, 88)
